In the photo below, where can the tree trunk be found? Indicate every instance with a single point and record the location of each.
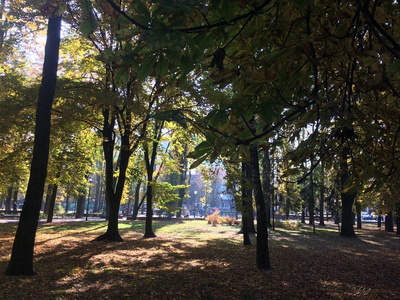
(389, 222)
(149, 194)
(136, 204)
(80, 205)
(322, 196)
(52, 203)
(358, 209)
(182, 180)
(97, 193)
(263, 261)
(21, 262)
(246, 202)
(379, 218)
(311, 201)
(113, 197)
(9, 198)
(67, 204)
(266, 184)
(348, 197)
(48, 197)
(303, 213)
(15, 206)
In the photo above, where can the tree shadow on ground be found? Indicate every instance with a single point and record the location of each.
(305, 266)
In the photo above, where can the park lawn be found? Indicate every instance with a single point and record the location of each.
(193, 260)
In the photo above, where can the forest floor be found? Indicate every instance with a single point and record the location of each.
(193, 260)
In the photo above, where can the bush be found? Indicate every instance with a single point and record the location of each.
(288, 224)
(59, 210)
(214, 218)
(230, 221)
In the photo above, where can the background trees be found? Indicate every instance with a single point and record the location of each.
(313, 83)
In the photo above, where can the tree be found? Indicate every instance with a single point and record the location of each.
(21, 262)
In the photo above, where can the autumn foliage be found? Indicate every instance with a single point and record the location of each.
(192, 260)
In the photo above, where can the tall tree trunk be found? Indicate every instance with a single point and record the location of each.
(48, 197)
(389, 222)
(67, 204)
(80, 205)
(322, 195)
(150, 162)
(182, 179)
(97, 193)
(149, 192)
(136, 203)
(114, 186)
(348, 197)
(52, 203)
(303, 213)
(311, 201)
(266, 184)
(21, 262)
(358, 209)
(246, 201)
(15, 206)
(9, 197)
(262, 252)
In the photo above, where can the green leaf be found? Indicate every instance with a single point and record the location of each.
(198, 162)
(393, 68)
(146, 67)
(171, 116)
(226, 10)
(162, 66)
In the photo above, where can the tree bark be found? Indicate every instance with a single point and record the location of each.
(48, 197)
(322, 195)
(348, 197)
(80, 205)
(311, 201)
(67, 204)
(9, 197)
(136, 203)
(246, 202)
(52, 203)
(266, 184)
(21, 262)
(114, 186)
(389, 222)
(182, 180)
(263, 261)
(358, 209)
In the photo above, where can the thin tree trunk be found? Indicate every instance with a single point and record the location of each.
(9, 198)
(97, 193)
(149, 198)
(136, 204)
(48, 197)
(263, 261)
(322, 195)
(21, 262)
(358, 209)
(246, 202)
(67, 204)
(266, 184)
(182, 180)
(311, 199)
(52, 203)
(150, 162)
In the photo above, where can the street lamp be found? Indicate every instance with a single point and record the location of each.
(87, 206)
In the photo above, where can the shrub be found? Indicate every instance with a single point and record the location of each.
(214, 218)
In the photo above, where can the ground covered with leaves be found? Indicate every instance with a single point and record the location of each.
(194, 260)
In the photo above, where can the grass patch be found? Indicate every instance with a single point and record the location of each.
(194, 260)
